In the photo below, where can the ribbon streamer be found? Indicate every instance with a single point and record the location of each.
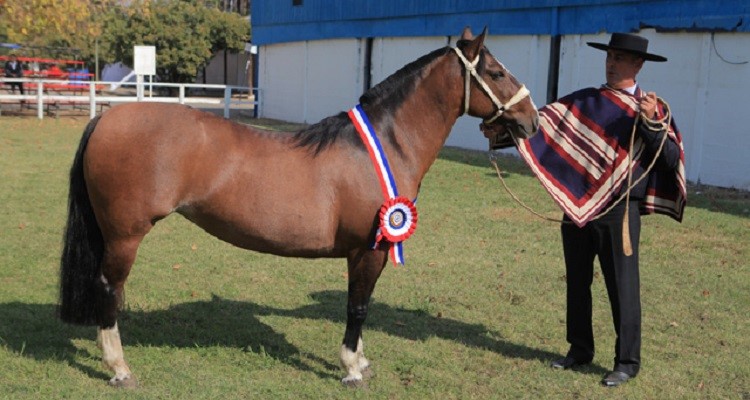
(398, 215)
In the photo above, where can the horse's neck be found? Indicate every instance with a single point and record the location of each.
(424, 122)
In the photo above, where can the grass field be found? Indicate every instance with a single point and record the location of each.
(477, 313)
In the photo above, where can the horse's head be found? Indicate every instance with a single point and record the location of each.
(494, 94)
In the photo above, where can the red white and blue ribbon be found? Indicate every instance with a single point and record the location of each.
(397, 215)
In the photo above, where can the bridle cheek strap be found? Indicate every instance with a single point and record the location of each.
(471, 70)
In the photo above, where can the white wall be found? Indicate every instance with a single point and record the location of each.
(282, 80)
(721, 135)
(334, 77)
(306, 81)
(390, 54)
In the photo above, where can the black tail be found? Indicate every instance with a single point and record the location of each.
(83, 247)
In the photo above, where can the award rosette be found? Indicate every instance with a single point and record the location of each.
(398, 215)
(398, 219)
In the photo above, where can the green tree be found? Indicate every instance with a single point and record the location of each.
(68, 24)
(186, 34)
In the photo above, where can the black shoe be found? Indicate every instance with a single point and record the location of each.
(567, 362)
(615, 378)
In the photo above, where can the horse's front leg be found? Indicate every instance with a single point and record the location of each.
(365, 266)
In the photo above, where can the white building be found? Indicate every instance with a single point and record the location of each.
(316, 57)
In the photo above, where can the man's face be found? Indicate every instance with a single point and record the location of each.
(622, 67)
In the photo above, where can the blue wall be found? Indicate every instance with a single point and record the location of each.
(276, 21)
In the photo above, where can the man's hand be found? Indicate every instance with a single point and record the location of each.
(648, 105)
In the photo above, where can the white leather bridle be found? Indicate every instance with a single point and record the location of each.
(472, 71)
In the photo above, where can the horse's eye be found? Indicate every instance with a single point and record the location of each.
(496, 75)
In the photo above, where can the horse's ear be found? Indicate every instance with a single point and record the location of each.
(466, 34)
(472, 49)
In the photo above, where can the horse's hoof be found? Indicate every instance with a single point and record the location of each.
(126, 383)
(353, 382)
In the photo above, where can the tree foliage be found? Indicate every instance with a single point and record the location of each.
(186, 33)
(52, 23)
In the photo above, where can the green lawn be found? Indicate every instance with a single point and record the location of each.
(477, 312)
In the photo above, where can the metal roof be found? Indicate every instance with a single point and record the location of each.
(277, 21)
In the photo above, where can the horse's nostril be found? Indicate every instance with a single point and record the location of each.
(534, 126)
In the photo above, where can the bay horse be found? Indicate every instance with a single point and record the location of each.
(311, 193)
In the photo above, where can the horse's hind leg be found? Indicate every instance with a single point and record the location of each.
(118, 259)
(114, 359)
(365, 267)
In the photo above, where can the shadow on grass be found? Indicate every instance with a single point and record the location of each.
(33, 331)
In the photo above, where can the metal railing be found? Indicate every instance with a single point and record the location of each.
(41, 92)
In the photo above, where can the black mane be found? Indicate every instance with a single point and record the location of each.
(391, 92)
(379, 102)
(324, 133)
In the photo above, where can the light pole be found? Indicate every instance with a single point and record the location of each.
(96, 59)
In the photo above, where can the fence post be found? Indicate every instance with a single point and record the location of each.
(139, 87)
(92, 100)
(227, 100)
(39, 102)
(182, 94)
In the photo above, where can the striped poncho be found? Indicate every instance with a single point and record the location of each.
(580, 155)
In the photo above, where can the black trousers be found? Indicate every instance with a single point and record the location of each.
(14, 85)
(603, 238)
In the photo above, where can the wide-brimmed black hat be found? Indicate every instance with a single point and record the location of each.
(631, 43)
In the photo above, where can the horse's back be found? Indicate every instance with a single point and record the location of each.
(149, 123)
(141, 137)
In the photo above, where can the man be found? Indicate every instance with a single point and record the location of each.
(13, 69)
(582, 156)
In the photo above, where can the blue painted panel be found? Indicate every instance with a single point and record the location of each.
(277, 21)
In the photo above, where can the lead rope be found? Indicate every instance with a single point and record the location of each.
(627, 247)
(654, 126)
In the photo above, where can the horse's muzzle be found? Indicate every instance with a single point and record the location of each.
(501, 134)
(527, 130)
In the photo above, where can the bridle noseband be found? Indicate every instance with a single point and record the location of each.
(472, 71)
